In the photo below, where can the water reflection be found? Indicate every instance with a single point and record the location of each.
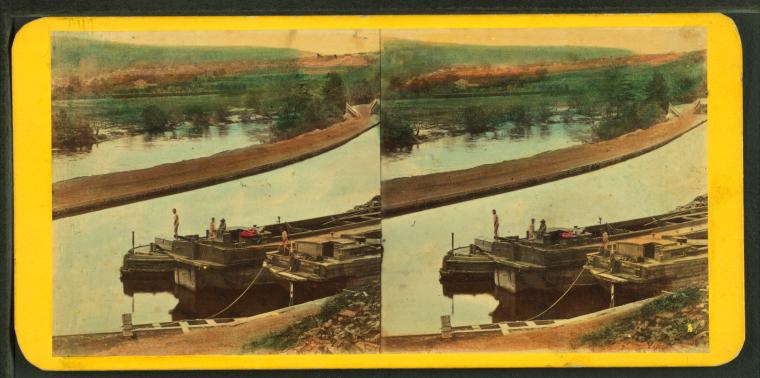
(449, 150)
(205, 303)
(187, 141)
(472, 301)
(415, 243)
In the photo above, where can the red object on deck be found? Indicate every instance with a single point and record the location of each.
(247, 234)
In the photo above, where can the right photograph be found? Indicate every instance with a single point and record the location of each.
(544, 190)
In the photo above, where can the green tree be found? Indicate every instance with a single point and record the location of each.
(395, 132)
(252, 99)
(154, 119)
(71, 132)
(334, 92)
(196, 114)
(657, 91)
(362, 92)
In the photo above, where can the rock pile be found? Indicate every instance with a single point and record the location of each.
(354, 328)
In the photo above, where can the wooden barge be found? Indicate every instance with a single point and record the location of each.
(672, 260)
(336, 260)
(467, 264)
(557, 260)
(230, 261)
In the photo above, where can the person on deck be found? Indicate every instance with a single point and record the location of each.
(222, 228)
(495, 224)
(605, 248)
(175, 223)
(252, 233)
(532, 229)
(541, 230)
(285, 239)
(212, 229)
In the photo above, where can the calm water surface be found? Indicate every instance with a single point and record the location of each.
(465, 151)
(143, 151)
(88, 295)
(414, 299)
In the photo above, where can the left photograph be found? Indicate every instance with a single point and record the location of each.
(216, 192)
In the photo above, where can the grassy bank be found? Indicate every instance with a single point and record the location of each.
(349, 322)
(681, 317)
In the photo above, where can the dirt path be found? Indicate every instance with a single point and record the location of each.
(410, 194)
(561, 339)
(218, 340)
(85, 194)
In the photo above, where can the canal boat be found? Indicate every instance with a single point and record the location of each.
(557, 260)
(336, 260)
(146, 261)
(468, 263)
(670, 261)
(231, 261)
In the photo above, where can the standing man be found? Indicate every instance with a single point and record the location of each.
(176, 222)
(212, 229)
(541, 230)
(495, 224)
(285, 240)
(532, 229)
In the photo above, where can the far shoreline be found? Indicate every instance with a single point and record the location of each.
(405, 195)
(85, 194)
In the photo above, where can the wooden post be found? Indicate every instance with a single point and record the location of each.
(446, 327)
(452, 241)
(133, 240)
(126, 325)
(612, 295)
(292, 291)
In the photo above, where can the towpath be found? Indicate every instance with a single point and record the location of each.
(90, 193)
(409, 194)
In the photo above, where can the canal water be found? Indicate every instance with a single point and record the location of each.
(413, 297)
(88, 295)
(142, 151)
(465, 151)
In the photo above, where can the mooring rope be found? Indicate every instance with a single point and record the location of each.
(562, 296)
(240, 296)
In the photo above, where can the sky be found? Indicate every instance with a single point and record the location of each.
(651, 40)
(316, 41)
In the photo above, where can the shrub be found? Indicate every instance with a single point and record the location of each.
(154, 119)
(476, 120)
(395, 132)
(71, 133)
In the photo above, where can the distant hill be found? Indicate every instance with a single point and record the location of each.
(410, 58)
(70, 53)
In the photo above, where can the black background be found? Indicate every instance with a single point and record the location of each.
(746, 15)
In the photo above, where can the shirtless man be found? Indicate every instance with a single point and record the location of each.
(495, 224)
(212, 229)
(285, 240)
(176, 222)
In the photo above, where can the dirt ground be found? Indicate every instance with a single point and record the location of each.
(491, 73)
(90, 193)
(218, 340)
(409, 194)
(554, 340)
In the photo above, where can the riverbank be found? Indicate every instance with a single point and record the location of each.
(410, 194)
(572, 335)
(223, 339)
(348, 322)
(85, 194)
